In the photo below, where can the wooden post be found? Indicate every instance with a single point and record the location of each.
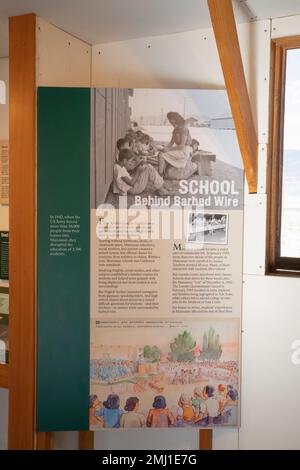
(86, 440)
(4, 370)
(205, 439)
(224, 26)
(22, 295)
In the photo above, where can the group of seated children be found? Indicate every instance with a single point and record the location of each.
(206, 407)
(140, 143)
(134, 170)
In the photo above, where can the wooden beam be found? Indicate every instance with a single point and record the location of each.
(86, 440)
(224, 27)
(4, 369)
(22, 298)
(44, 441)
(205, 439)
(288, 42)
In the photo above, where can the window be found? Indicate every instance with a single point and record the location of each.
(284, 170)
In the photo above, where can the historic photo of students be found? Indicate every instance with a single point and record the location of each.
(164, 147)
(208, 228)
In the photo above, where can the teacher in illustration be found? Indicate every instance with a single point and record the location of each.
(174, 160)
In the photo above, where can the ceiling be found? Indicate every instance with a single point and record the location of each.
(98, 21)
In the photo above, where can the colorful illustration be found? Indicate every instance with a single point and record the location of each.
(188, 378)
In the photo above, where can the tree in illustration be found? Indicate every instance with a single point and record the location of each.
(211, 347)
(182, 348)
(152, 353)
(205, 343)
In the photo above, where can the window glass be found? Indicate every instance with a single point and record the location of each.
(290, 212)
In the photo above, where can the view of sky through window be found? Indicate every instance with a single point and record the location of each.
(290, 225)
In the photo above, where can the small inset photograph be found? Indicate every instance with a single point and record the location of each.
(208, 228)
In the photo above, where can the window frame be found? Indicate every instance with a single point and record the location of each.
(277, 264)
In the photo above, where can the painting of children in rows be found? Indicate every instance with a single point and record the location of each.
(164, 373)
(208, 406)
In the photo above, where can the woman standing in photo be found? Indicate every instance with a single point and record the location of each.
(174, 160)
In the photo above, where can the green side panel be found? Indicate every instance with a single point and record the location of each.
(63, 173)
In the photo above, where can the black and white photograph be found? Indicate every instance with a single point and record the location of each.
(165, 147)
(208, 228)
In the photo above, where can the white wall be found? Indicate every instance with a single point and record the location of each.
(271, 323)
(271, 383)
(185, 60)
(4, 107)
